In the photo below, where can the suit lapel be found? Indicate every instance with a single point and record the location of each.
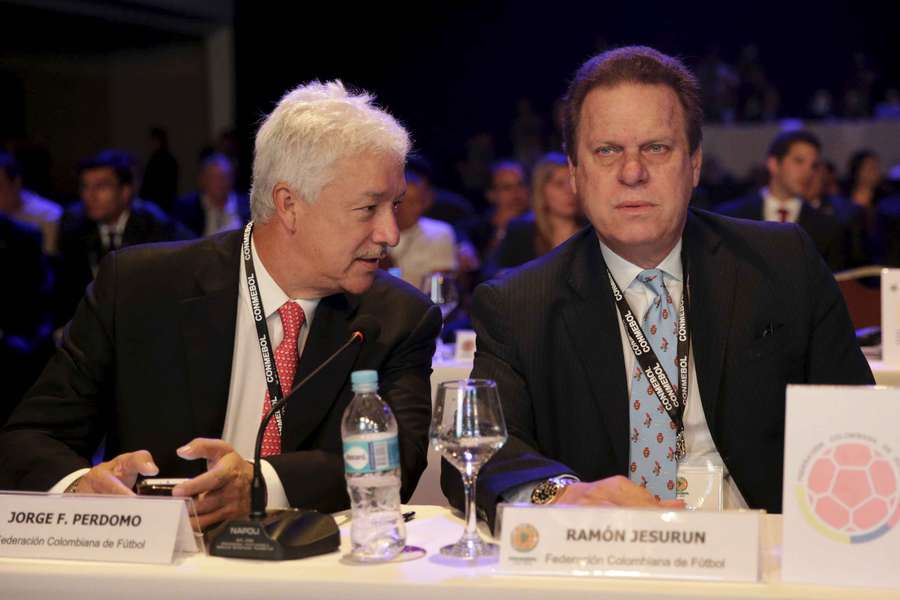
(207, 323)
(711, 270)
(308, 406)
(591, 322)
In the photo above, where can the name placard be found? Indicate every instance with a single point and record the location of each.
(890, 317)
(842, 486)
(106, 528)
(619, 542)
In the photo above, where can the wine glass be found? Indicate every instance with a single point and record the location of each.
(467, 428)
(441, 288)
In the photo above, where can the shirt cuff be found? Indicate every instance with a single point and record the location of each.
(277, 498)
(66, 481)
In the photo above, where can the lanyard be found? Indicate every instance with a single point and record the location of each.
(674, 402)
(262, 332)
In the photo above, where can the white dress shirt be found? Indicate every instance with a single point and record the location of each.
(247, 388)
(111, 233)
(701, 451)
(772, 206)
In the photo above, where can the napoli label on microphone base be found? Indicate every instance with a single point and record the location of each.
(281, 535)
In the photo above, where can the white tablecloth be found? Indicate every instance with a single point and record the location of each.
(429, 578)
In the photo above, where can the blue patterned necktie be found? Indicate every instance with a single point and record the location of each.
(653, 463)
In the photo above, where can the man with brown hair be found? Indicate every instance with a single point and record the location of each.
(671, 333)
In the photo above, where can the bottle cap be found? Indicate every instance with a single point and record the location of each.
(368, 377)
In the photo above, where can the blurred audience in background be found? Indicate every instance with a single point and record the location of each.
(791, 163)
(160, 182)
(425, 245)
(25, 322)
(555, 216)
(108, 218)
(25, 206)
(215, 206)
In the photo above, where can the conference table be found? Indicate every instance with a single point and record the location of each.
(427, 578)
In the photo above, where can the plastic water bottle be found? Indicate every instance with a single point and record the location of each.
(372, 467)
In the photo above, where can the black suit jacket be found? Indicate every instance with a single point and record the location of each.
(25, 323)
(765, 312)
(81, 249)
(146, 363)
(826, 231)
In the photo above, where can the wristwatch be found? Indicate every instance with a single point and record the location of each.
(547, 491)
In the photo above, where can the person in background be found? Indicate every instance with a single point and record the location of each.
(865, 187)
(791, 163)
(834, 205)
(215, 206)
(508, 198)
(160, 183)
(25, 206)
(425, 245)
(25, 323)
(555, 217)
(108, 218)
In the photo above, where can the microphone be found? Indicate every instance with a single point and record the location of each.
(290, 533)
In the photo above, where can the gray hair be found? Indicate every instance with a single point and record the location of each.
(312, 128)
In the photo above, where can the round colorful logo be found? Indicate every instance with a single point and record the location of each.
(849, 490)
(524, 537)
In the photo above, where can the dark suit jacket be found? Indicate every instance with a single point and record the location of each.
(146, 362)
(765, 312)
(81, 249)
(188, 211)
(888, 224)
(826, 231)
(25, 323)
(517, 248)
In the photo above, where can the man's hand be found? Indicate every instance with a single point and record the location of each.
(612, 491)
(223, 491)
(118, 475)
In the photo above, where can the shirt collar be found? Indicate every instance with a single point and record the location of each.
(625, 272)
(769, 197)
(272, 295)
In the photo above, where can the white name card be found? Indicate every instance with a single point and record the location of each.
(106, 528)
(890, 317)
(619, 542)
(842, 486)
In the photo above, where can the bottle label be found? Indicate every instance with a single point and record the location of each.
(371, 456)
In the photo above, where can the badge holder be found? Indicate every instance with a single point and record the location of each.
(701, 487)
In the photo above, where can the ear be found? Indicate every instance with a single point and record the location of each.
(772, 166)
(696, 163)
(288, 206)
(572, 170)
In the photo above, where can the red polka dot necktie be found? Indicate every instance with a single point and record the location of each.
(783, 215)
(286, 358)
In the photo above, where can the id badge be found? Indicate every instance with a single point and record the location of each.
(701, 487)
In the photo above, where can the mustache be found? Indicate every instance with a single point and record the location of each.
(375, 254)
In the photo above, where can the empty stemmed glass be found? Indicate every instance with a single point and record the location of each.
(467, 428)
(441, 289)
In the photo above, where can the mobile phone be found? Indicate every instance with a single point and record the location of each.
(159, 486)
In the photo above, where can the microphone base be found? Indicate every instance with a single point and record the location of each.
(282, 535)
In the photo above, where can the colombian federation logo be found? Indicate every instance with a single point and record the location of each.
(524, 537)
(849, 489)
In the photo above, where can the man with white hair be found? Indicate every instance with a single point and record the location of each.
(164, 358)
